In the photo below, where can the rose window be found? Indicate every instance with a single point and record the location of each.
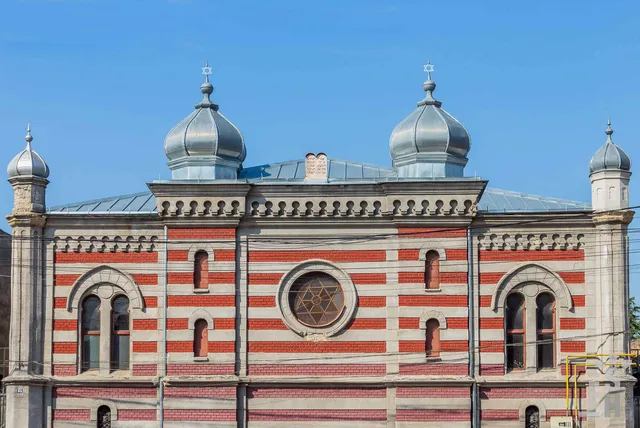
(316, 299)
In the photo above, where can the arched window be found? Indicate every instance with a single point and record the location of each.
(433, 338)
(432, 270)
(120, 333)
(90, 331)
(104, 417)
(532, 417)
(545, 330)
(201, 270)
(515, 327)
(201, 339)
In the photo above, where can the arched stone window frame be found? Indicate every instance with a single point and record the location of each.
(96, 404)
(323, 266)
(105, 275)
(532, 273)
(106, 283)
(200, 314)
(432, 315)
(531, 280)
(422, 256)
(191, 257)
(522, 411)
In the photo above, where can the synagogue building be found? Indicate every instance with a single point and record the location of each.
(320, 292)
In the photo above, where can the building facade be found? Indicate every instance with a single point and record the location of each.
(320, 292)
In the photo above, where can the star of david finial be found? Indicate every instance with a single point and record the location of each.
(428, 68)
(206, 70)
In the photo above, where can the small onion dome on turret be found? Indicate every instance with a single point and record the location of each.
(429, 142)
(205, 145)
(28, 162)
(609, 156)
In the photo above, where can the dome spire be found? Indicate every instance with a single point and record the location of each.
(207, 89)
(28, 162)
(609, 156)
(28, 138)
(429, 86)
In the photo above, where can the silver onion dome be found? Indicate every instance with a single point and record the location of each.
(609, 156)
(28, 162)
(429, 142)
(205, 145)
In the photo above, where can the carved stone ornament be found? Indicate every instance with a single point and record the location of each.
(316, 167)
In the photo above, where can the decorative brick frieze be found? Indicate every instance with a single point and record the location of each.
(531, 241)
(530, 255)
(105, 244)
(199, 207)
(107, 257)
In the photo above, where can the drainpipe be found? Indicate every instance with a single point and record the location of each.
(164, 329)
(472, 354)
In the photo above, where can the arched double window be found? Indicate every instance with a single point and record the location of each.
(515, 331)
(432, 344)
(201, 339)
(201, 270)
(90, 331)
(105, 325)
(545, 330)
(104, 417)
(432, 270)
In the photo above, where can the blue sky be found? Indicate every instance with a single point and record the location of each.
(103, 82)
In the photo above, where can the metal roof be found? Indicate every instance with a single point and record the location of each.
(492, 201)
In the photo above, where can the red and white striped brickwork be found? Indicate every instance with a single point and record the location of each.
(275, 350)
(385, 340)
(185, 304)
(67, 267)
(417, 304)
(494, 264)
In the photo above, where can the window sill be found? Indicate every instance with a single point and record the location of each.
(433, 290)
(201, 290)
(200, 359)
(433, 359)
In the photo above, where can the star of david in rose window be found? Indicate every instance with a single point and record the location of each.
(316, 299)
